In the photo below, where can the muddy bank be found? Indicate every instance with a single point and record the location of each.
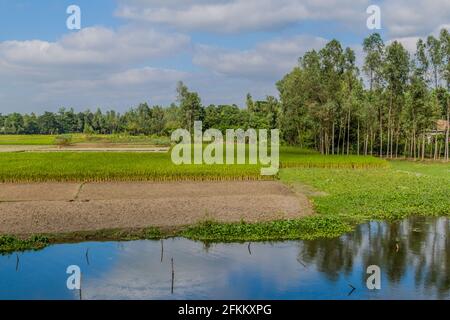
(68, 207)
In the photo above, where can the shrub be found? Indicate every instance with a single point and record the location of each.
(63, 140)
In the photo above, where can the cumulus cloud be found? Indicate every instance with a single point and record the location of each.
(94, 47)
(268, 60)
(92, 67)
(117, 90)
(400, 18)
(409, 18)
(240, 15)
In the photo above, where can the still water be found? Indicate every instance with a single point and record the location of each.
(413, 255)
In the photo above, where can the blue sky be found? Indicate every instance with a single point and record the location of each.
(136, 50)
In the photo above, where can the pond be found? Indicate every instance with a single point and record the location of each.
(413, 256)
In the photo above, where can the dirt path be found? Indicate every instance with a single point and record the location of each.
(70, 207)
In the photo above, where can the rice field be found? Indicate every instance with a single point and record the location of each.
(123, 166)
(23, 140)
(117, 166)
(46, 140)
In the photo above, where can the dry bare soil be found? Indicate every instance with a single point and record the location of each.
(70, 207)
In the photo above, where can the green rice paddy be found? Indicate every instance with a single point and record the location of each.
(128, 166)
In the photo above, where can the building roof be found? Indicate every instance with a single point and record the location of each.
(442, 125)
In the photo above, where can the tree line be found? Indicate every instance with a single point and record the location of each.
(401, 107)
(397, 104)
(145, 119)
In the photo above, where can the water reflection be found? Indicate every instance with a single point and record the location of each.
(417, 247)
(413, 256)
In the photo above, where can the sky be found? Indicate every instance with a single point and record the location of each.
(133, 51)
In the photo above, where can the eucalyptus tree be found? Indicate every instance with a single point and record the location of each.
(435, 57)
(396, 69)
(445, 46)
(293, 106)
(332, 69)
(374, 47)
(351, 94)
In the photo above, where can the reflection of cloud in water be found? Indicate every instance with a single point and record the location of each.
(137, 272)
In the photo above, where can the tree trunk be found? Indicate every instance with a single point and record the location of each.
(358, 139)
(381, 134)
(435, 147)
(372, 138)
(423, 146)
(405, 150)
(366, 143)
(348, 131)
(447, 133)
(332, 139)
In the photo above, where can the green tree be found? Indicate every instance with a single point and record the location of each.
(190, 106)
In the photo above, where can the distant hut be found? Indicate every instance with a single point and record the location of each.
(442, 125)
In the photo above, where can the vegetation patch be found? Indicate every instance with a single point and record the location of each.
(306, 228)
(12, 244)
(403, 189)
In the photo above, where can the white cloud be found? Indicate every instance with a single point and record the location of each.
(268, 60)
(409, 18)
(410, 43)
(117, 90)
(240, 15)
(94, 47)
(400, 18)
(92, 67)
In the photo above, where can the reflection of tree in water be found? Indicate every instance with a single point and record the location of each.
(418, 245)
(332, 256)
(433, 260)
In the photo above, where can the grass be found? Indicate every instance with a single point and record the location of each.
(402, 190)
(37, 140)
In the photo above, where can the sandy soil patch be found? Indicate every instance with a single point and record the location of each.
(59, 208)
